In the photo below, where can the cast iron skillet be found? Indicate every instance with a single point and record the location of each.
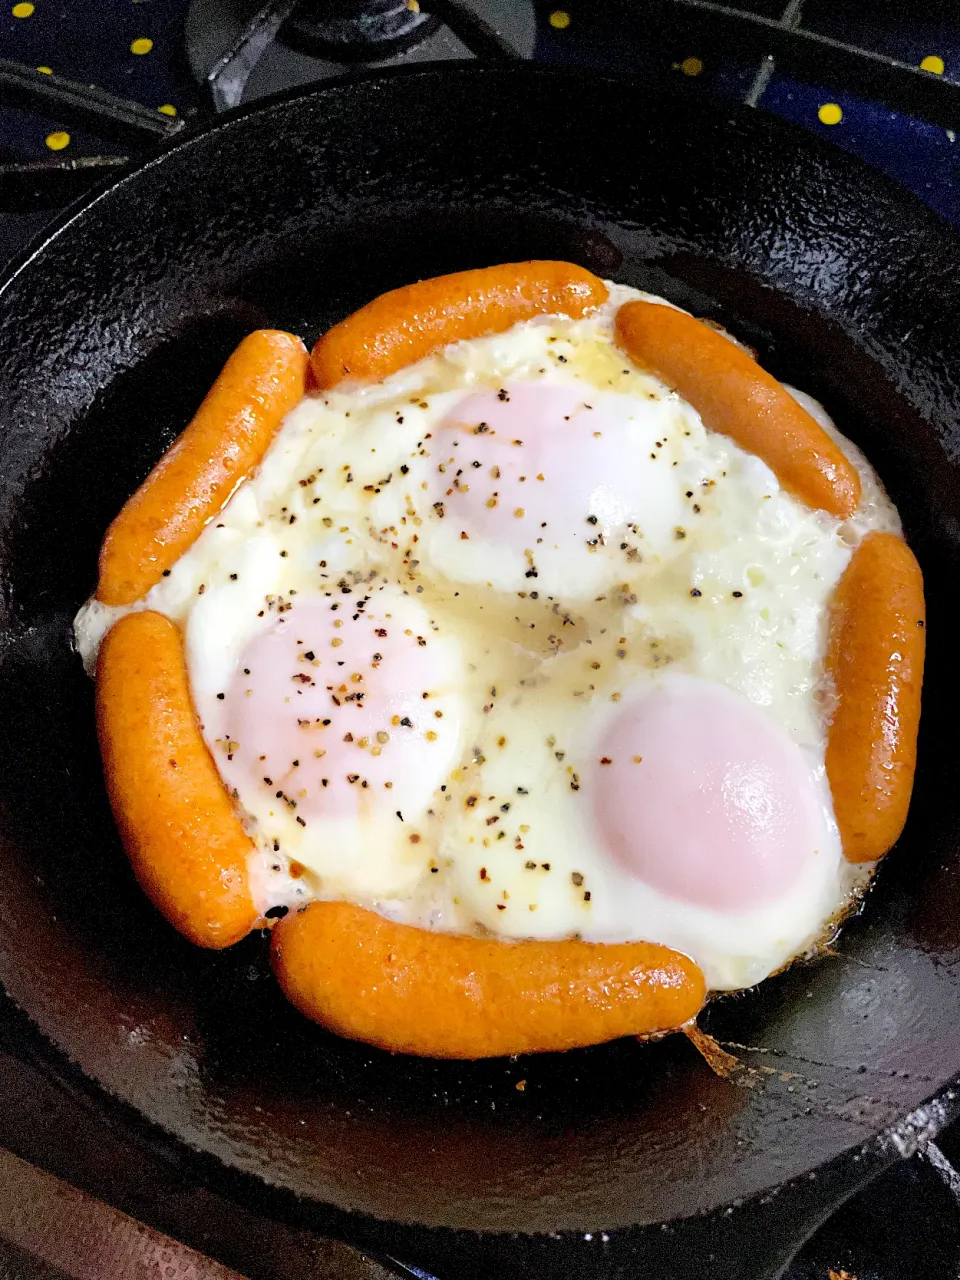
(620, 1160)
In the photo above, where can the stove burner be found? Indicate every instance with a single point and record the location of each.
(241, 50)
(364, 31)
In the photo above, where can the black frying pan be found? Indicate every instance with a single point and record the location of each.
(623, 1160)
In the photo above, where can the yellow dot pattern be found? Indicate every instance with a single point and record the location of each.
(932, 63)
(560, 19)
(691, 66)
(60, 139)
(830, 113)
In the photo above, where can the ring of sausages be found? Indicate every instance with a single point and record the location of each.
(414, 990)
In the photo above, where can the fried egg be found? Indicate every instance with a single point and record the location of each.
(511, 644)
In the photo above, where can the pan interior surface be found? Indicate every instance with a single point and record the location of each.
(291, 216)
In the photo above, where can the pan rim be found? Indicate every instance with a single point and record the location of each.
(194, 135)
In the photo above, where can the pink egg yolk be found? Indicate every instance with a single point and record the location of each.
(701, 796)
(533, 464)
(330, 712)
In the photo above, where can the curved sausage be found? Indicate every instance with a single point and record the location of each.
(875, 658)
(227, 438)
(739, 399)
(176, 821)
(441, 995)
(403, 326)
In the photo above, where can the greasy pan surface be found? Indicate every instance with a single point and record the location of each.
(290, 216)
